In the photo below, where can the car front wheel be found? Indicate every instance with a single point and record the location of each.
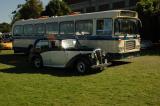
(82, 66)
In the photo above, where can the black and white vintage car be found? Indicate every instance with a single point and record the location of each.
(66, 53)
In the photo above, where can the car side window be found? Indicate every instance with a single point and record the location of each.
(55, 45)
(43, 44)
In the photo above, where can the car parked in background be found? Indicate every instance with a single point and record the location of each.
(6, 41)
(66, 53)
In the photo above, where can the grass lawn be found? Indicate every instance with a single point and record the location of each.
(134, 81)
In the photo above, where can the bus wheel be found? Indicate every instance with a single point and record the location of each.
(37, 62)
(82, 66)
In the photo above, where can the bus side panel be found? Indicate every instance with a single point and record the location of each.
(21, 45)
(106, 45)
(113, 46)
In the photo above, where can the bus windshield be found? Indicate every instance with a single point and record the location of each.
(125, 26)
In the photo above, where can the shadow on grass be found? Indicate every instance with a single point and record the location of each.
(20, 65)
(118, 63)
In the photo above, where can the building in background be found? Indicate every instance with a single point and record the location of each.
(86, 6)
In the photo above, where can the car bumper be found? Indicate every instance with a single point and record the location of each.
(100, 65)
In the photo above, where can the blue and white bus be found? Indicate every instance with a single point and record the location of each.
(115, 31)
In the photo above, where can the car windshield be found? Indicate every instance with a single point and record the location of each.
(126, 26)
(69, 43)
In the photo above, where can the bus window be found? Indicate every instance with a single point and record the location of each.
(40, 29)
(104, 27)
(52, 28)
(67, 28)
(84, 27)
(18, 30)
(28, 30)
(126, 26)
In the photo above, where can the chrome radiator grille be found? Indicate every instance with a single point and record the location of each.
(98, 55)
(130, 45)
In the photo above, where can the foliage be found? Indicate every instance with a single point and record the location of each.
(5, 27)
(15, 17)
(31, 9)
(149, 7)
(148, 13)
(56, 8)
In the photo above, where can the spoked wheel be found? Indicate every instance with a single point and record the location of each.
(82, 66)
(37, 62)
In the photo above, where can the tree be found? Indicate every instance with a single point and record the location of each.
(148, 7)
(5, 27)
(56, 8)
(31, 9)
(149, 11)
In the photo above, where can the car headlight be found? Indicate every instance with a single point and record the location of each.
(96, 52)
(93, 55)
(103, 54)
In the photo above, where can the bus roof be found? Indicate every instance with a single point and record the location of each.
(102, 14)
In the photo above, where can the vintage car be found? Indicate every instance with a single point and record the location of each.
(66, 53)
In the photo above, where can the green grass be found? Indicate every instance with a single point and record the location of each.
(127, 82)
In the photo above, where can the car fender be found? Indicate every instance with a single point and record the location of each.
(73, 60)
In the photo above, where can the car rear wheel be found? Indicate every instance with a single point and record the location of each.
(82, 66)
(37, 62)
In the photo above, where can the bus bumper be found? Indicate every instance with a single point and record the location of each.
(116, 56)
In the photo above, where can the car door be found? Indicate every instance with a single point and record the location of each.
(44, 46)
(57, 56)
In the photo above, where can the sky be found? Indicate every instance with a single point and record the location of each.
(8, 6)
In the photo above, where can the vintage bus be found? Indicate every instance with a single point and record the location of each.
(116, 31)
